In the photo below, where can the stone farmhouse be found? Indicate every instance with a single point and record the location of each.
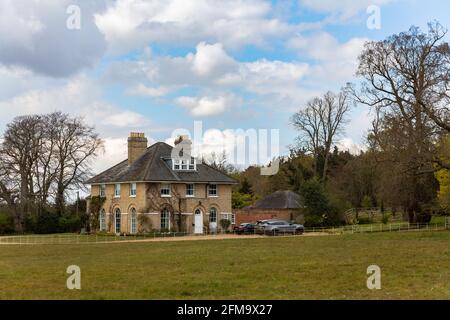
(154, 191)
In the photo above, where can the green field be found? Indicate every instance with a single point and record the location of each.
(413, 264)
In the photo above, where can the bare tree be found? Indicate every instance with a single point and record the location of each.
(219, 161)
(10, 194)
(20, 151)
(320, 123)
(308, 122)
(409, 75)
(43, 157)
(75, 145)
(406, 81)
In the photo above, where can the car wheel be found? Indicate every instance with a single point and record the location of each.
(274, 232)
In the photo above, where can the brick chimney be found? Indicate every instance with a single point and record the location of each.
(137, 144)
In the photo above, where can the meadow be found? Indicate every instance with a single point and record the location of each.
(414, 265)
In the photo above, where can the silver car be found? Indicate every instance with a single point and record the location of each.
(279, 227)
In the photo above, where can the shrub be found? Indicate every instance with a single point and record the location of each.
(69, 223)
(44, 223)
(385, 218)
(240, 200)
(6, 223)
(313, 221)
(320, 211)
(364, 220)
(225, 224)
(145, 224)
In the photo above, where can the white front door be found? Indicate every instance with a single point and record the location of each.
(198, 222)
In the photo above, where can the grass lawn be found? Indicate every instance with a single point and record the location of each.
(413, 265)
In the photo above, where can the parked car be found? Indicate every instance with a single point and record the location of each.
(259, 226)
(245, 228)
(277, 227)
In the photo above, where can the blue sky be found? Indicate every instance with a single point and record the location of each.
(155, 66)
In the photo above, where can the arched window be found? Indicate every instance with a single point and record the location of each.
(103, 220)
(165, 219)
(117, 220)
(212, 215)
(133, 227)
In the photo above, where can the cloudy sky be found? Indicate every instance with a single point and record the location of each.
(155, 66)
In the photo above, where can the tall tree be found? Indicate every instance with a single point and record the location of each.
(21, 148)
(320, 123)
(76, 144)
(42, 158)
(404, 82)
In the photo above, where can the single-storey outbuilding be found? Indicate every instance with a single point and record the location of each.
(284, 205)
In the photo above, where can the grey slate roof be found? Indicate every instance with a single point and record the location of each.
(153, 166)
(279, 200)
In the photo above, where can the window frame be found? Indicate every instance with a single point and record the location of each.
(192, 164)
(176, 164)
(169, 188)
(133, 221)
(211, 215)
(193, 190)
(184, 165)
(133, 189)
(102, 191)
(209, 191)
(102, 219)
(117, 187)
(117, 211)
(166, 219)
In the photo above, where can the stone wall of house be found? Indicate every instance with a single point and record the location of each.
(148, 202)
(253, 215)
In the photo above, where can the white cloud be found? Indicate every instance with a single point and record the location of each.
(212, 70)
(347, 144)
(207, 106)
(132, 24)
(322, 46)
(264, 76)
(80, 97)
(142, 90)
(334, 63)
(34, 35)
(210, 59)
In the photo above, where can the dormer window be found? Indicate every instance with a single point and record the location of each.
(184, 165)
(176, 164)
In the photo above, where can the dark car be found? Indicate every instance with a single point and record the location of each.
(245, 228)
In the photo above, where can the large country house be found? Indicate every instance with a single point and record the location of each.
(151, 191)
